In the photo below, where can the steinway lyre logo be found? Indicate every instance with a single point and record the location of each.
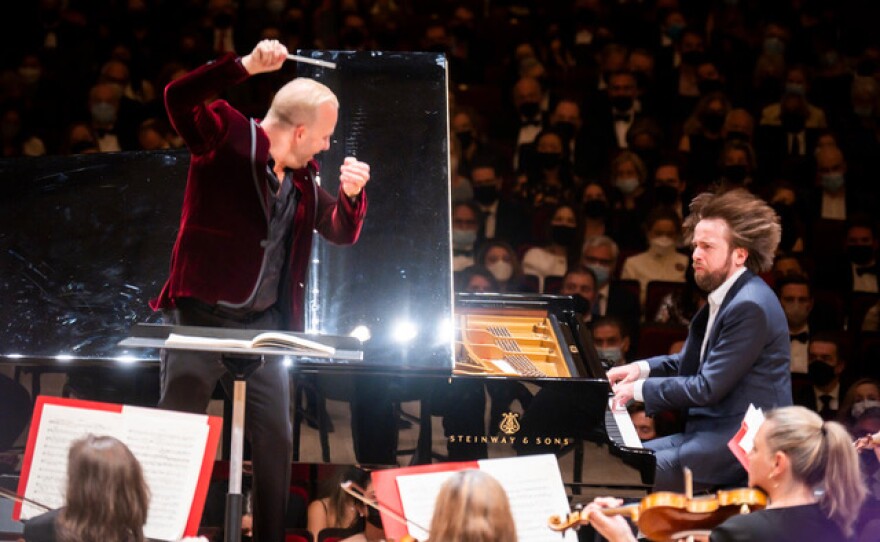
(509, 425)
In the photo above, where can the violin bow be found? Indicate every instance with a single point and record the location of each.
(358, 493)
(11, 495)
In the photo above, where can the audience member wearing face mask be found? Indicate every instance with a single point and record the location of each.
(661, 262)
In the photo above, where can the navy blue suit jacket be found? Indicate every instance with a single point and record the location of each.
(747, 362)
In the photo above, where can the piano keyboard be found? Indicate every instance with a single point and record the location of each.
(620, 428)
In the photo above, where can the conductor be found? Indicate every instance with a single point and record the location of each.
(250, 206)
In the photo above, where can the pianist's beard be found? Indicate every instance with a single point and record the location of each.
(708, 280)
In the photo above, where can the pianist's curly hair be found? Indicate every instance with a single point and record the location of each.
(752, 223)
(107, 497)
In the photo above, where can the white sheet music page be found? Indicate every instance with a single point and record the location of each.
(534, 486)
(59, 427)
(170, 447)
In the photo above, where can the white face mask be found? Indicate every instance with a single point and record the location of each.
(859, 407)
(501, 270)
(627, 185)
(662, 245)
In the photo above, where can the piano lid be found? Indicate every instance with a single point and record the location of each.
(85, 240)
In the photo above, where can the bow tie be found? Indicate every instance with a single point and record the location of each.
(801, 337)
(622, 117)
(529, 122)
(866, 270)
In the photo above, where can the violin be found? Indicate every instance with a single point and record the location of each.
(663, 515)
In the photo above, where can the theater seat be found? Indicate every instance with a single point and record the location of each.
(298, 535)
(655, 339)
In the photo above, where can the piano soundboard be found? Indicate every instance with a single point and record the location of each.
(519, 342)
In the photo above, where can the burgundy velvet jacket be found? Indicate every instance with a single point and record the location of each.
(218, 254)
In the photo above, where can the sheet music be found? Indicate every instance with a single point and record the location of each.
(753, 419)
(58, 429)
(417, 494)
(533, 485)
(170, 451)
(170, 447)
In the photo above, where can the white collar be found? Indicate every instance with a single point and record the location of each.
(718, 294)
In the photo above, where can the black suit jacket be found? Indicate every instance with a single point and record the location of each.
(41, 528)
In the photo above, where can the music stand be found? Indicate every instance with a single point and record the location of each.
(241, 363)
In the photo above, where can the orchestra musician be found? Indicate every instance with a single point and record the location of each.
(809, 470)
(240, 259)
(106, 499)
(737, 351)
(472, 507)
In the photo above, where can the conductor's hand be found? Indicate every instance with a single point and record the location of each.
(353, 175)
(614, 528)
(267, 56)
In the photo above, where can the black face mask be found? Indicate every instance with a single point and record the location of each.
(566, 130)
(707, 86)
(562, 235)
(549, 160)
(465, 138)
(712, 121)
(735, 174)
(734, 135)
(666, 195)
(595, 208)
(692, 58)
(820, 373)
(529, 109)
(486, 194)
(222, 20)
(860, 254)
(622, 103)
(792, 122)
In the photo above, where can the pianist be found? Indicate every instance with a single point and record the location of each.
(737, 351)
(240, 259)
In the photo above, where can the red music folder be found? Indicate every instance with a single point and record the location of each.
(176, 451)
(743, 441)
(533, 485)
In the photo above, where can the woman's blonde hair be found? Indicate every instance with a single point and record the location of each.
(107, 497)
(472, 507)
(297, 102)
(823, 457)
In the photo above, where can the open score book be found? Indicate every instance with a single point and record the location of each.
(269, 339)
(176, 452)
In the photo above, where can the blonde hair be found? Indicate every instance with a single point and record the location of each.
(753, 224)
(472, 507)
(822, 456)
(297, 102)
(107, 497)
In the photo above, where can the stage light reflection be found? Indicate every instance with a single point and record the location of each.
(361, 333)
(404, 331)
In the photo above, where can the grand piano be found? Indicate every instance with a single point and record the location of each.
(85, 241)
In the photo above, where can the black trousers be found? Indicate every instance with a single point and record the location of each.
(188, 380)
